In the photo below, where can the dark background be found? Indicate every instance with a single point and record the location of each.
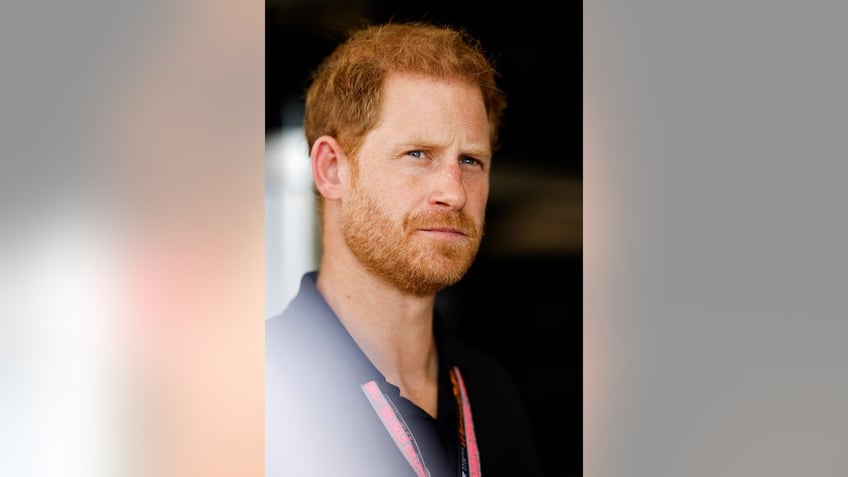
(522, 299)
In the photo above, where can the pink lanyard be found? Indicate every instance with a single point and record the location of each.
(469, 461)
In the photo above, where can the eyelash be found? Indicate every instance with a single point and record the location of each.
(475, 162)
(421, 154)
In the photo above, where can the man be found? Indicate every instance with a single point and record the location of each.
(362, 375)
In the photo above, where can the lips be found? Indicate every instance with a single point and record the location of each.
(444, 230)
(457, 226)
(442, 222)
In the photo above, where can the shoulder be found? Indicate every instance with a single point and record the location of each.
(297, 337)
(308, 342)
(306, 311)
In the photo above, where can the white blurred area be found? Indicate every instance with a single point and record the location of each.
(131, 243)
(62, 349)
(291, 244)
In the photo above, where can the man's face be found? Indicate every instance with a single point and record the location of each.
(415, 209)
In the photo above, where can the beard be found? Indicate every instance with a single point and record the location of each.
(394, 251)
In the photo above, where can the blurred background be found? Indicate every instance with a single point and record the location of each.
(522, 299)
(142, 178)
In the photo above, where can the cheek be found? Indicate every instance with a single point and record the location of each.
(388, 199)
(477, 194)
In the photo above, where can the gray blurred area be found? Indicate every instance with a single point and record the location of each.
(715, 325)
(131, 238)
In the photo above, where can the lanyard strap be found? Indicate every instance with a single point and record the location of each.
(395, 424)
(469, 460)
(469, 456)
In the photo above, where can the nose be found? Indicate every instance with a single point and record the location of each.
(448, 188)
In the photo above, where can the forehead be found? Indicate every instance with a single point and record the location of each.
(420, 104)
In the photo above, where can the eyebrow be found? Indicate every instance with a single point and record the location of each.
(484, 151)
(480, 151)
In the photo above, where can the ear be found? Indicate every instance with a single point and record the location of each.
(329, 167)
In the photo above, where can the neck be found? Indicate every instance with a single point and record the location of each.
(394, 329)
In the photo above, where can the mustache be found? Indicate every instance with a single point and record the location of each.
(455, 220)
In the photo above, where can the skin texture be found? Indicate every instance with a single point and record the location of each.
(415, 211)
(402, 220)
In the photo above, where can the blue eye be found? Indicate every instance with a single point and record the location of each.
(470, 160)
(416, 154)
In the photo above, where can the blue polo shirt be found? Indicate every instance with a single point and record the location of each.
(319, 421)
